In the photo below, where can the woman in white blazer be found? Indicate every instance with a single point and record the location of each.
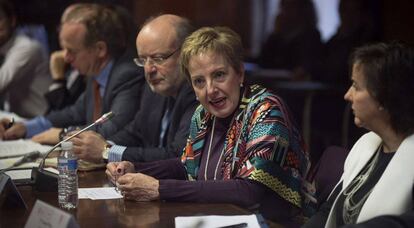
(376, 188)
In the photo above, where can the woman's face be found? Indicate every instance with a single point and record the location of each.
(215, 83)
(366, 109)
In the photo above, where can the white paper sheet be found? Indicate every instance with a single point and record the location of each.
(21, 147)
(98, 193)
(5, 163)
(216, 221)
(20, 174)
(9, 115)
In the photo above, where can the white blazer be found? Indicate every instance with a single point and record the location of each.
(392, 195)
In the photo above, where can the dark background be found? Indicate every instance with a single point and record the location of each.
(394, 18)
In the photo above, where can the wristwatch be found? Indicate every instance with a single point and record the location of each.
(105, 152)
(63, 133)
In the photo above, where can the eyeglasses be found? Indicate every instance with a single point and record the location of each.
(155, 60)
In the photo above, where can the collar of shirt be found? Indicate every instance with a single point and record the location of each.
(9, 43)
(102, 78)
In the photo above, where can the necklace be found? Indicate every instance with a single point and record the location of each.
(209, 149)
(209, 152)
(351, 208)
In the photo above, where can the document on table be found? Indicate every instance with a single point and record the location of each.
(9, 115)
(13, 150)
(98, 193)
(20, 147)
(217, 221)
(20, 174)
(6, 163)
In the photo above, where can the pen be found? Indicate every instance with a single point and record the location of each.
(10, 124)
(238, 225)
(118, 173)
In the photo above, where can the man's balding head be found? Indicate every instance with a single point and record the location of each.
(176, 24)
(158, 46)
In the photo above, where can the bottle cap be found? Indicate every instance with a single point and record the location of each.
(66, 145)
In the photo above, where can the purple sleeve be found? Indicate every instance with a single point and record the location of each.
(163, 169)
(242, 192)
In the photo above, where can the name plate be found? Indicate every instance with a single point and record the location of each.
(45, 215)
(9, 195)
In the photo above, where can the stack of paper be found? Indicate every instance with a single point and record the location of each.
(18, 147)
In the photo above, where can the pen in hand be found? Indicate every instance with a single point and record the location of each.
(119, 172)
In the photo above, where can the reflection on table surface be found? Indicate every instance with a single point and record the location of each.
(115, 213)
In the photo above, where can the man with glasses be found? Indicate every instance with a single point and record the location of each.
(93, 42)
(161, 126)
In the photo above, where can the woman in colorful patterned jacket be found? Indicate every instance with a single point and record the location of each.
(243, 146)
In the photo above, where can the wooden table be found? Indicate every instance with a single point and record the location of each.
(115, 213)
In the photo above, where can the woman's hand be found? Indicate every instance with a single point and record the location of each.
(139, 187)
(116, 169)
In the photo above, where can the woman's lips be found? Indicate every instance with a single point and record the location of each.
(218, 103)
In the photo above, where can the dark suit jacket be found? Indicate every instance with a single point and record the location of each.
(143, 133)
(122, 96)
(62, 96)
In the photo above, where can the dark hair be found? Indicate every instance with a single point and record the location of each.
(7, 9)
(302, 14)
(102, 24)
(389, 75)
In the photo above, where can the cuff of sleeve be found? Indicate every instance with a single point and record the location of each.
(56, 85)
(115, 153)
(36, 125)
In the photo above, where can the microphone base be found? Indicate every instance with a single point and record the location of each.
(44, 181)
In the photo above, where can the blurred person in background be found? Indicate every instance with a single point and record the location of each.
(93, 39)
(295, 43)
(24, 72)
(160, 127)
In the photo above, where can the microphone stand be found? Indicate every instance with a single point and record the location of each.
(46, 181)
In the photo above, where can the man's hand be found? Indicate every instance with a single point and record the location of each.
(50, 136)
(116, 169)
(139, 187)
(17, 131)
(89, 146)
(57, 65)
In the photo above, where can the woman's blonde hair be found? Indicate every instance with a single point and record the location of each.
(220, 40)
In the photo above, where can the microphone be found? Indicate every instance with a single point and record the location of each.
(29, 157)
(47, 181)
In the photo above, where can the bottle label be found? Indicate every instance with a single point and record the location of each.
(72, 164)
(62, 162)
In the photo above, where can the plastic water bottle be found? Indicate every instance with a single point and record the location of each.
(68, 177)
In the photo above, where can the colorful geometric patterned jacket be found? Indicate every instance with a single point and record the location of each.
(262, 144)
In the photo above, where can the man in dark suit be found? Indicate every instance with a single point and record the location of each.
(161, 126)
(93, 42)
